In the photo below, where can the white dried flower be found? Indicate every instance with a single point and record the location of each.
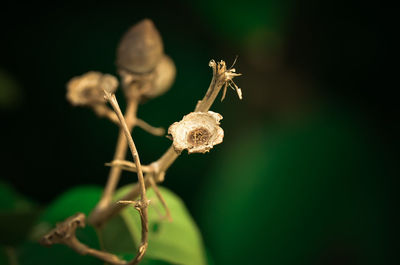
(197, 132)
(87, 89)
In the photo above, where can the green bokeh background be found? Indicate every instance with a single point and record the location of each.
(305, 174)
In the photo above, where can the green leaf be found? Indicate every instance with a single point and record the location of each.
(3, 256)
(31, 253)
(177, 242)
(15, 227)
(117, 239)
(17, 215)
(12, 201)
(147, 261)
(80, 199)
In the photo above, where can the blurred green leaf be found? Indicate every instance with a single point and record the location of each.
(80, 199)
(3, 256)
(15, 227)
(178, 242)
(147, 261)
(32, 253)
(17, 215)
(11, 200)
(11, 93)
(117, 239)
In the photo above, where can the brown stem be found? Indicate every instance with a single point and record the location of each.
(115, 172)
(217, 81)
(128, 166)
(161, 198)
(65, 233)
(83, 249)
(103, 111)
(166, 160)
(121, 149)
(150, 129)
(141, 206)
(220, 77)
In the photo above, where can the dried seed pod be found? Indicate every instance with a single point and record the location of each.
(134, 84)
(150, 85)
(197, 132)
(164, 77)
(87, 89)
(108, 83)
(141, 48)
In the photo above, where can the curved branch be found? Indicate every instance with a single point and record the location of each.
(221, 77)
(140, 206)
(65, 233)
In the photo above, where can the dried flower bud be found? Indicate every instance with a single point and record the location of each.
(108, 83)
(150, 85)
(87, 89)
(197, 132)
(164, 77)
(141, 48)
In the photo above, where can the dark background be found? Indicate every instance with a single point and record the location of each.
(308, 156)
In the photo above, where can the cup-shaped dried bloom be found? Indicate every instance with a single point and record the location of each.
(197, 132)
(87, 89)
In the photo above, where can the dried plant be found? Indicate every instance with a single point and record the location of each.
(197, 132)
(145, 72)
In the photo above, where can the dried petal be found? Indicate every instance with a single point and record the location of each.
(87, 89)
(197, 132)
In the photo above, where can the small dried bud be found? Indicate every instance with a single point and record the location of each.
(164, 77)
(150, 85)
(141, 48)
(87, 89)
(197, 132)
(108, 83)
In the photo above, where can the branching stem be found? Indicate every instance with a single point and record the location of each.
(221, 76)
(120, 153)
(141, 206)
(64, 233)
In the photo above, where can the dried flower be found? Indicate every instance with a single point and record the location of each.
(152, 84)
(87, 89)
(164, 77)
(141, 48)
(197, 132)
